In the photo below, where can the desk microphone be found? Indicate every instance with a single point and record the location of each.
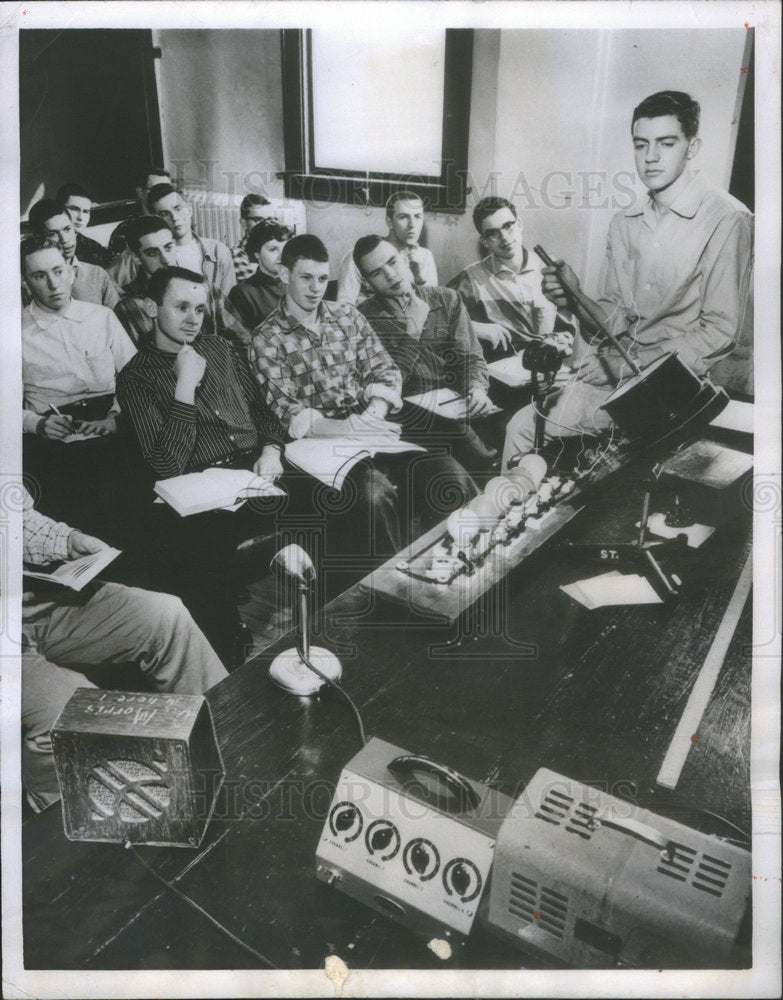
(305, 669)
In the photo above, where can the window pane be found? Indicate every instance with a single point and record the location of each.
(378, 100)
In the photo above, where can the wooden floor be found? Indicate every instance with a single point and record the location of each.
(537, 681)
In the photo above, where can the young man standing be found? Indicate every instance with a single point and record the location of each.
(91, 283)
(79, 206)
(197, 253)
(252, 209)
(502, 292)
(260, 294)
(325, 374)
(153, 246)
(428, 335)
(675, 277)
(405, 219)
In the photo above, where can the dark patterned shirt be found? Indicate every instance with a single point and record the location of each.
(229, 414)
(330, 371)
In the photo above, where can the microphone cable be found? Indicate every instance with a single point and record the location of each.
(200, 909)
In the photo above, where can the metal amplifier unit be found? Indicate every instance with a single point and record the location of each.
(411, 838)
(598, 882)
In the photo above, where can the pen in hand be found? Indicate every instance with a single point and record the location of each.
(62, 426)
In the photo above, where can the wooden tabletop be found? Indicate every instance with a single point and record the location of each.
(534, 680)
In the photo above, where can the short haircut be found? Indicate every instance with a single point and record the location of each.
(44, 210)
(249, 200)
(488, 206)
(403, 195)
(671, 102)
(158, 283)
(151, 172)
(264, 231)
(67, 191)
(143, 225)
(304, 247)
(365, 245)
(158, 191)
(32, 245)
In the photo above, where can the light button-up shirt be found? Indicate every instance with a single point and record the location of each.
(69, 356)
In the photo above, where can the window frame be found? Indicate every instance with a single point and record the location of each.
(304, 181)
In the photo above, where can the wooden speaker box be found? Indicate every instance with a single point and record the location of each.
(144, 768)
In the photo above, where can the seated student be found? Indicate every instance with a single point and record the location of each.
(675, 277)
(65, 632)
(196, 253)
(260, 294)
(429, 337)
(124, 268)
(51, 221)
(153, 246)
(502, 292)
(71, 354)
(193, 403)
(252, 209)
(79, 206)
(325, 374)
(405, 219)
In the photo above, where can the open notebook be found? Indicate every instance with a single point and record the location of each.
(75, 573)
(330, 459)
(213, 489)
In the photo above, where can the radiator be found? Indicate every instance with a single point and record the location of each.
(217, 215)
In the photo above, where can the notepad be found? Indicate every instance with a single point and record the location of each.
(330, 459)
(612, 589)
(76, 573)
(213, 489)
(737, 416)
(446, 403)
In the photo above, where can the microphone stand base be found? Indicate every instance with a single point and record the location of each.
(292, 674)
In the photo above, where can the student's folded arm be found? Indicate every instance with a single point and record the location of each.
(166, 429)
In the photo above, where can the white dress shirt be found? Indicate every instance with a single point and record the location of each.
(69, 356)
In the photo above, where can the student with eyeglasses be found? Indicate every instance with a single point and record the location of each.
(502, 291)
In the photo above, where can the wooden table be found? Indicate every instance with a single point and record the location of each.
(541, 682)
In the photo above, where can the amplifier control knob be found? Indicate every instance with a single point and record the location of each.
(462, 878)
(382, 839)
(421, 859)
(345, 821)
